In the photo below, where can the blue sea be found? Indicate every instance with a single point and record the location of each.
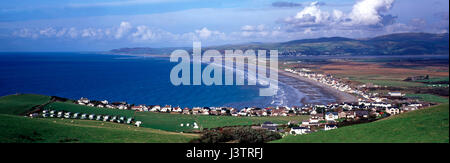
(136, 80)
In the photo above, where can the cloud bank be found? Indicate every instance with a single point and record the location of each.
(364, 14)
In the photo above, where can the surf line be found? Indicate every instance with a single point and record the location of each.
(215, 67)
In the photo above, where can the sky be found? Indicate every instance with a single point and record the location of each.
(101, 25)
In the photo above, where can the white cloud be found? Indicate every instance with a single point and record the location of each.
(247, 28)
(260, 27)
(48, 32)
(61, 32)
(25, 33)
(258, 30)
(90, 32)
(312, 15)
(123, 29)
(143, 33)
(308, 31)
(73, 33)
(367, 12)
(203, 33)
(338, 15)
(364, 15)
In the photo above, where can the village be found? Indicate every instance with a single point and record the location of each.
(370, 107)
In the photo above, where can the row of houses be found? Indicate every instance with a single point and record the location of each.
(85, 116)
(335, 83)
(296, 130)
(367, 100)
(373, 103)
(356, 108)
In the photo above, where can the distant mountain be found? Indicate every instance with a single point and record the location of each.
(146, 50)
(393, 44)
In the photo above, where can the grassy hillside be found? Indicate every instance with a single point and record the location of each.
(19, 104)
(67, 106)
(422, 126)
(171, 122)
(15, 128)
(429, 98)
(39, 130)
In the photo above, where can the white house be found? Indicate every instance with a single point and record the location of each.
(305, 123)
(242, 113)
(155, 108)
(196, 110)
(314, 119)
(195, 125)
(122, 107)
(395, 94)
(138, 123)
(138, 108)
(299, 130)
(409, 108)
(83, 100)
(393, 111)
(177, 109)
(330, 127)
(331, 116)
(166, 108)
(105, 102)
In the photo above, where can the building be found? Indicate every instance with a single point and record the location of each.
(177, 109)
(393, 111)
(331, 116)
(155, 108)
(186, 111)
(395, 94)
(300, 130)
(330, 127)
(166, 108)
(362, 113)
(269, 126)
(350, 115)
(342, 114)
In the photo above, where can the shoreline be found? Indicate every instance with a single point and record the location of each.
(338, 96)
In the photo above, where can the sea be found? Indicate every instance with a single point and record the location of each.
(116, 78)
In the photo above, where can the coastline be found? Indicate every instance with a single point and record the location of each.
(337, 95)
(340, 96)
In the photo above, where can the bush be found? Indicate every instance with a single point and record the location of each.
(237, 134)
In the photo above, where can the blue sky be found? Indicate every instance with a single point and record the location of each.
(87, 25)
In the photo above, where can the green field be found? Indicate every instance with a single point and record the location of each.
(436, 79)
(171, 122)
(74, 108)
(17, 129)
(391, 83)
(428, 98)
(429, 125)
(19, 104)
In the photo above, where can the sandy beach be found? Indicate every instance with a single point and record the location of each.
(338, 95)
